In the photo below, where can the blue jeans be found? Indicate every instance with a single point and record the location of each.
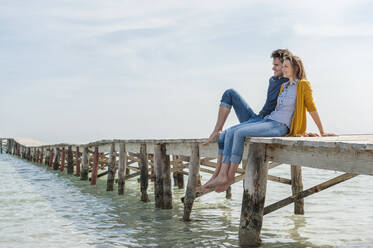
(231, 141)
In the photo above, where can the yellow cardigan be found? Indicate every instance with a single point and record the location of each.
(304, 101)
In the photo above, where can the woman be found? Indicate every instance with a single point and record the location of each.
(288, 119)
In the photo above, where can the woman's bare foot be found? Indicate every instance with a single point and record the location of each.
(224, 187)
(213, 138)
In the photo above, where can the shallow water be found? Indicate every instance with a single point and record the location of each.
(44, 208)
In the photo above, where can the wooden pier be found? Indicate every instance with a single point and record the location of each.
(155, 160)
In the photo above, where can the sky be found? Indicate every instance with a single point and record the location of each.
(81, 71)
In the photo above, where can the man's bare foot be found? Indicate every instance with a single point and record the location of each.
(218, 181)
(213, 138)
(224, 187)
(202, 189)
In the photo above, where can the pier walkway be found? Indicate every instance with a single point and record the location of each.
(157, 160)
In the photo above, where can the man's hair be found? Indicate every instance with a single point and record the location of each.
(280, 54)
(297, 65)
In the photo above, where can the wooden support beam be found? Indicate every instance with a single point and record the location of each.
(63, 158)
(111, 169)
(51, 157)
(296, 187)
(255, 184)
(228, 193)
(85, 165)
(144, 173)
(94, 167)
(122, 164)
(77, 162)
(41, 156)
(279, 179)
(158, 183)
(56, 163)
(308, 192)
(190, 194)
(1, 146)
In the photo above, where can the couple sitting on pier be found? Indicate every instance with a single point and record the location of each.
(284, 114)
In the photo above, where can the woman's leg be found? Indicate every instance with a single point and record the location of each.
(242, 109)
(267, 128)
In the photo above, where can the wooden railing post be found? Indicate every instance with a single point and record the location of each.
(122, 164)
(255, 184)
(296, 187)
(111, 169)
(85, 165)
(190, 194)
(144, 173)
(94, 167)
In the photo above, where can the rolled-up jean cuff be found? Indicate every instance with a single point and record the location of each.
(220, 151)
(235, 159)
(226, 159)
(225, 105)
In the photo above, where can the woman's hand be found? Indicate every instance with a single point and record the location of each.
(328, 134)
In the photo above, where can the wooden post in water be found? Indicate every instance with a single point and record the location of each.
(94, 167)
(51, 157)
(56, 163)
(190, 193)
(1, 146)
(77, 162)
(228, 193)
(70, 161)
(255, 185)
(63, 155)
(111, 170)
(297, 186)
(29, 154)
(163, 193)
(122, 168)
(85, 165)
(144, 173)
(41, 156)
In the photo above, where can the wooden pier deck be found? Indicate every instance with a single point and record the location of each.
(156, 159)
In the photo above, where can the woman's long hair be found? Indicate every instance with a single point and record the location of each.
(297, 65)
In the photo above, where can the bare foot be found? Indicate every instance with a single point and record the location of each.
(202, 189)
(218, 181)
(213, 138)
(224, 187)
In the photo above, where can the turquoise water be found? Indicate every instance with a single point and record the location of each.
(44, 208)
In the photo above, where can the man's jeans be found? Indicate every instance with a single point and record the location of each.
(231, 141)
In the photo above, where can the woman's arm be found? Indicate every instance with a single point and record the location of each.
(316, 118)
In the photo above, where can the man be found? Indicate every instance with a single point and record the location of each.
(243, 112)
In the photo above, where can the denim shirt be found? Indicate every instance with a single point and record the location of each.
(285, 105)
(272, 94)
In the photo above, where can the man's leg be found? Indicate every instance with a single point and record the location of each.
(242, 109)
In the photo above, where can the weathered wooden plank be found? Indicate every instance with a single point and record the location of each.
(350, 161)
(144, 173)
(296, 187)
(111, 169)
(190, 194)
(308, 192)
(255, 184)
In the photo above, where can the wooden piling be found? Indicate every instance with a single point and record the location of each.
(190, 194)
(56, 163)
(94, 167)
(111, 169)
(122, 164)
(85, 165)
(144, 176)
(162, 181)
(77, 162)
(228, 193)
(1, 146)
(70, 161)
(41, 155)
(297, 186)
(51, 157)
(255, 184)
(63, 155)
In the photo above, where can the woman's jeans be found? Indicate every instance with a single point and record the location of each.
(231, 141)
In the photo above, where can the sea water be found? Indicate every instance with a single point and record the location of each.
(40, 207)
